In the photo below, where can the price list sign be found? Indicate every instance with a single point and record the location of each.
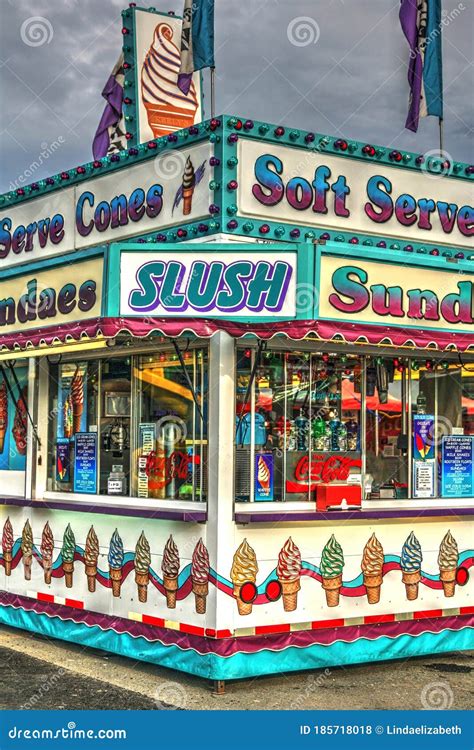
(85, 463)
(457, 472)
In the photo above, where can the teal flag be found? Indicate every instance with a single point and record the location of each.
(197, 40)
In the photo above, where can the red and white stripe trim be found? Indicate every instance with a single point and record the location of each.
(182, 627)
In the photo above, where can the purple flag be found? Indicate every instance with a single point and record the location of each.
(110, 135)
(421, 24)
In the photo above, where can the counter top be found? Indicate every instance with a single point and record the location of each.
(375, 510)
(190, 512)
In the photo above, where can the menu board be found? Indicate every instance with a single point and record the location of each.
(85, 463)
(423, 478)
(457, 459)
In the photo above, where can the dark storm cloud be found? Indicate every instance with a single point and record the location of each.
(348, 78)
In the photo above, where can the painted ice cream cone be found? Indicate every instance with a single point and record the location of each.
(116, 556)
(67, 554)
(288, 573)
(372, 568)
(7, 546)
(47, 549)
(142, 567)
(68, 418)
(244, 570)
(410, 563)
(3, 414)
(200, 576)
(170, 569)
(20, 424)
(448, 563)
(27, 549)
(332, 563)
(167, 108)
(91, 555)
(77, 399)
(263, 473)
(189, 183)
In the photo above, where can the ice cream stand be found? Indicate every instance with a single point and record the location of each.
(240, 359)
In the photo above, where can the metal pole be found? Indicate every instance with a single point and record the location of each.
(213, 92)
(441, 136)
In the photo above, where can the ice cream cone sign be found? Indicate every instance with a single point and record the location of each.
(116, 555)
(448, 563)
(7, 546)
(200, 576)
(167, 108)
(372, 568)
(288, 573)
(67, 553)
(27, 549)
(47, 549)
(91, 555)
(410, 563)
(170, 570)
(77, 401)
(142, 567)
(332, 563)
(191, 178)
(244, 574)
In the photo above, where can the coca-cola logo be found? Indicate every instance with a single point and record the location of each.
(321, 470)
(161, 470)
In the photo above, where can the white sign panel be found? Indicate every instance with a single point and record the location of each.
(209, 285)
(303, 187)
(159, 193)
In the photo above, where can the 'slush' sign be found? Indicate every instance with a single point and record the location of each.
(208, 284)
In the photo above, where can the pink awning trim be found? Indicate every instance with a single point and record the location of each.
(325, 330)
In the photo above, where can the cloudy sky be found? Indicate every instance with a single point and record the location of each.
(347, 76)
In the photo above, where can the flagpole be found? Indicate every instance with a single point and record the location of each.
(441, 136)
(213, 92)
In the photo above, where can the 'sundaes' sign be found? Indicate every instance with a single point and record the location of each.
(171, 189)
(372, 292)
(191, 284)
(300, 186)
(53, 296)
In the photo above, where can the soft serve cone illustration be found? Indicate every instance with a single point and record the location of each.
(448, 562)
(47, 549)
(244, 570)
(410, 564)
(372, 568)
(91, 555)
(27, 549)
(167, 108)
(7, 546)
(288, 572)
(200, 576)
(116, 556)
(142, 567)
(170, 569)
(67, 554)
(332, 563)
(77, 401)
